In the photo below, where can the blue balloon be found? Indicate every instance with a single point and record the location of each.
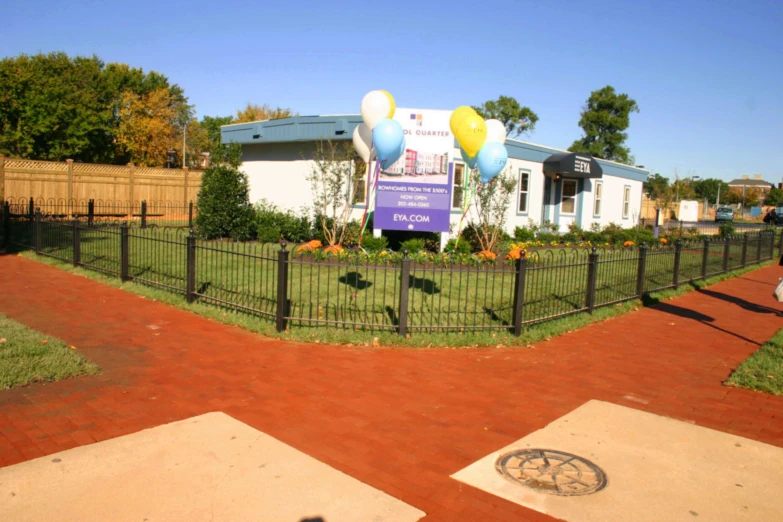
(491, 159)
(470, 161)
(388, 139)
(385, 164)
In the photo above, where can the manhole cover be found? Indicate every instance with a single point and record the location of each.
(553, 472)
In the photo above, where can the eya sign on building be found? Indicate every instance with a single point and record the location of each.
(414, 193)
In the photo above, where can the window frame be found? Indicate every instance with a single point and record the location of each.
(563, 196)
(626, 202)
(598, 199)
(529, 174)
(354, 181)
(461, 186)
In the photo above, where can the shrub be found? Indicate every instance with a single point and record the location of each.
(413, 246)
(726, 229)
(374, 244)
(570, 237)
(463, 247)
(272, 224)
(524, 234)
(548, 237)
(223, 204)
(398, 237)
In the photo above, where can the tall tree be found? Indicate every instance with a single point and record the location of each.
(146, 128)
(709, 188)
(774, 198)
(212, 124)
(656, 186)
(254, 112)
(604, 118)
(516, 118)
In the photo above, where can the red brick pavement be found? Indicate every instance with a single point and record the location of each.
(401, 420)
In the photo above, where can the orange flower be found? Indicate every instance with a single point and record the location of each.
(486, 255)
(664, 240)
(514, 253)
(310, 246)
(628, 244)
(333, 249)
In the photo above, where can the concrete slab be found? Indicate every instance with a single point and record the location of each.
(657, 469)
(210, 467)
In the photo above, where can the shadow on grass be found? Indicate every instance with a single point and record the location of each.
(355, 280)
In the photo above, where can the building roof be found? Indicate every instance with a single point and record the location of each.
(750, 183)
(341, 126)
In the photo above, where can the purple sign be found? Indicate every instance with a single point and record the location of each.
(422, 207)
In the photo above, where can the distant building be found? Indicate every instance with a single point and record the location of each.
(756, 183)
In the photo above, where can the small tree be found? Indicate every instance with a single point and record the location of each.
(223, 203)
(332, 185)
(774, 198)
(490, 209)
(516, 118)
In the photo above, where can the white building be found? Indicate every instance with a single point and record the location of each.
(552, 185)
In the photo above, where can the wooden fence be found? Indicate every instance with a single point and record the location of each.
(69, 181)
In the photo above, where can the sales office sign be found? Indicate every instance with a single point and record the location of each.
(415, 192)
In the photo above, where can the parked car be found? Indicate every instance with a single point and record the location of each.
(724, 214)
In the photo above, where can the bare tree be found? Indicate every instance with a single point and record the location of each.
(490, 209)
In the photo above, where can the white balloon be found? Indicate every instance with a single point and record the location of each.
(496, 131)
(375, 107)
(362, 142)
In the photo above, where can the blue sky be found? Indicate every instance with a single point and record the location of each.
(708, 76)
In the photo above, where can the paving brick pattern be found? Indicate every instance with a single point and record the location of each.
(401, 420)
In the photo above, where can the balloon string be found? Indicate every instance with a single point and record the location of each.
(370, 194)
(468, 204)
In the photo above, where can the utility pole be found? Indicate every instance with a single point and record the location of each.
(184, 145)
(743, 201)
(717, 202)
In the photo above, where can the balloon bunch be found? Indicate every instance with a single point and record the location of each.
(482, 146)
(379, 138)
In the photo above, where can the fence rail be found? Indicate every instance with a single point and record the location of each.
(406, 296)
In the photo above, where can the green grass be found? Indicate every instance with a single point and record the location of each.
(762, 371)
(28, 356)
(535, 333)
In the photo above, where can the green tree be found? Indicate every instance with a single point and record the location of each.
(604, 118)
(53, 107)
(211, 125)
(223, 204)
(774, 198)
(710, 188)
(516, 118)
(656, 186)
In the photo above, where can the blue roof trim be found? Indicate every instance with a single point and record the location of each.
(340, 127)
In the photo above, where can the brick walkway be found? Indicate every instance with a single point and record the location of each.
(401, 420)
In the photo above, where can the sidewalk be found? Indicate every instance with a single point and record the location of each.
(400, 420)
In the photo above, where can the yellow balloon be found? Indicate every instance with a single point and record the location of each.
(471, 133)
(458, 115)
(393, 106)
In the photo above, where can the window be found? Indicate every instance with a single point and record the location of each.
(599, 189)
(359, 182)
(524, 179)
(626, 202)
(459, 185)
(568, 201)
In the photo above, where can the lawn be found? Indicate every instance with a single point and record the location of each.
(762, 371)
(28, 356)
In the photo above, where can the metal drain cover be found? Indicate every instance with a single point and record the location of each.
(550, 471)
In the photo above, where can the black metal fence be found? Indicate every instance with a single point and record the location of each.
(709, 228)
(404, 294)
(171, 213)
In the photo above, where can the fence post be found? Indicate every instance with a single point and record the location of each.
(190, 215)
(144, 214)
(31, 211)
(90, 212)
(190, 289)
(77, 243)
(640, 269)
(705, 258)
(726, 251)
(404, 285)
(758, 247)
(519, 292)
(282, 286)
(592, 277)
(745, 248)
(2, 177)
(69, 166)
(37, 232)
(124, 252)
(677, 255)
(6, 224)
(780, 243)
